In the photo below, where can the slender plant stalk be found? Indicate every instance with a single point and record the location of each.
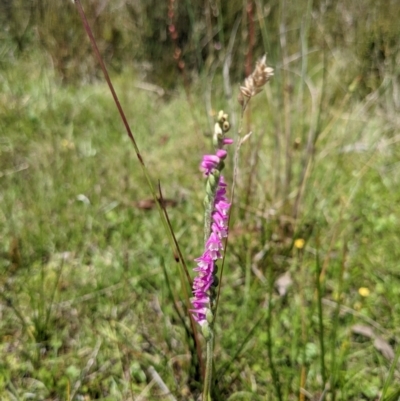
(390, 374)
(303, 372)
(320, 316)
(209, 368)
(274, 372)
(166, 216)
(303, 377)
(335, 325)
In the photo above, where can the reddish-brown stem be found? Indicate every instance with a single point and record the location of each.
(162, 211)
(107, 78)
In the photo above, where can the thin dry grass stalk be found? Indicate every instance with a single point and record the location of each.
(253, 83)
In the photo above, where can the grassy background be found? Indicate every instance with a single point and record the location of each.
(86, 307)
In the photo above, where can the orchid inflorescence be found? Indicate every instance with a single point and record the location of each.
(216, 227)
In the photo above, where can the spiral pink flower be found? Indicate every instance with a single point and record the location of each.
(203, 282)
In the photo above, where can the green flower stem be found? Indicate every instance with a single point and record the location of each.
(208, 373)
(208, 209)
(209, 200)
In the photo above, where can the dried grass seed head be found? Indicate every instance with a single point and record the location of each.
(261, 75)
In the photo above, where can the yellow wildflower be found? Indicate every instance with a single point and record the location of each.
(299, 243)
(364, 291)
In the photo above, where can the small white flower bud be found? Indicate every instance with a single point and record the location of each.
(217, 130)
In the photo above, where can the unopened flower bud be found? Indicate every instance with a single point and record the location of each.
(206, 330)
(209, 316)
(226, 126)
(221, 153)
